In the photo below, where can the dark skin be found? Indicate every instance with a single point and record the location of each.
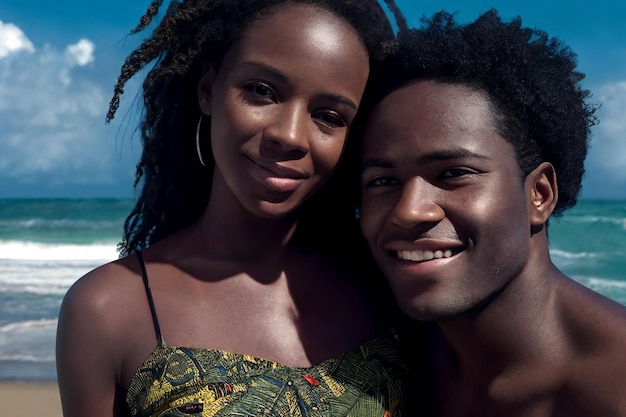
(233, 281)
(514, 335)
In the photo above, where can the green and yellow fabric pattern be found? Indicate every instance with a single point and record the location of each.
(178, 382)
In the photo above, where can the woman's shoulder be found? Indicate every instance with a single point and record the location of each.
(107, 277)
(104, 322)
(102, 292)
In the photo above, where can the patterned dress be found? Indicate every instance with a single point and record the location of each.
(200, 382)
(175, 382)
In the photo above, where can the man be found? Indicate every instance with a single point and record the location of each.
(478, 138)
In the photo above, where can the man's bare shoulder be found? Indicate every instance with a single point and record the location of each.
(596, 326)
(596, 385)
(596, 317)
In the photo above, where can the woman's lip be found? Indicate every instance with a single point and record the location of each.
(279, 179)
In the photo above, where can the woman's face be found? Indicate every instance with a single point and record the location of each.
(281, 104)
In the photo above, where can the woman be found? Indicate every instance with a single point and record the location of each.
(237, 293)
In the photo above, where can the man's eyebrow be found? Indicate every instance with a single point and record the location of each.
(376, 163)
(444, 155)
(283, 78)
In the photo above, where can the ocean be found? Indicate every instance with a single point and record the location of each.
(45, 245)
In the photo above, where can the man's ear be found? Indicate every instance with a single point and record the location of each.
(205, 99)
(543, 193)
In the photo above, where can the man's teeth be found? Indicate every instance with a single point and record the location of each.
(425, 255)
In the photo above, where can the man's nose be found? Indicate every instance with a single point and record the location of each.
(417, 205)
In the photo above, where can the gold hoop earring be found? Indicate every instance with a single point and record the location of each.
(198, 150)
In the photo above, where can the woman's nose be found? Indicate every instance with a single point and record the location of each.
(290, 129)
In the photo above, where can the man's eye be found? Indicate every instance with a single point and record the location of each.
(455, 173)
(382, 182)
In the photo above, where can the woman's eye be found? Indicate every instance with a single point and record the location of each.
(262, 90)
(330, 119)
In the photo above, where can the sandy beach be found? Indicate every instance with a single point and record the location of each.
(30, 399)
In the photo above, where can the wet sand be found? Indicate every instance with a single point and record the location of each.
(30, 399)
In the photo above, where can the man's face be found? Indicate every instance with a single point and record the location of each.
(444, 207)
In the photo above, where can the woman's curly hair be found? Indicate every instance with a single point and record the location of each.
(529, 78)
(174, 186)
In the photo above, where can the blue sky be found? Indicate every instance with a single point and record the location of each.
(59, 61)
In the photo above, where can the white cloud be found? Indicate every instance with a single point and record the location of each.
(51, 113)
(605, 175)
(608, 151)
(13, 40)
(82, 52)
(35, 90)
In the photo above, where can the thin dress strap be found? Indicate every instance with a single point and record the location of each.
(146, 284)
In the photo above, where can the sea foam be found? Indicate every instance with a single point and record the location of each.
(14, 249)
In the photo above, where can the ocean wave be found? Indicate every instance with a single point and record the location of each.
(25, 325)
(45, 291)
(44, 224)
(46, 277)
(573, 255)
(16, 357)
(609, 284)
(27, 341)
(613, 289)
(25, 250)
(41, 277)
(617, 221)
